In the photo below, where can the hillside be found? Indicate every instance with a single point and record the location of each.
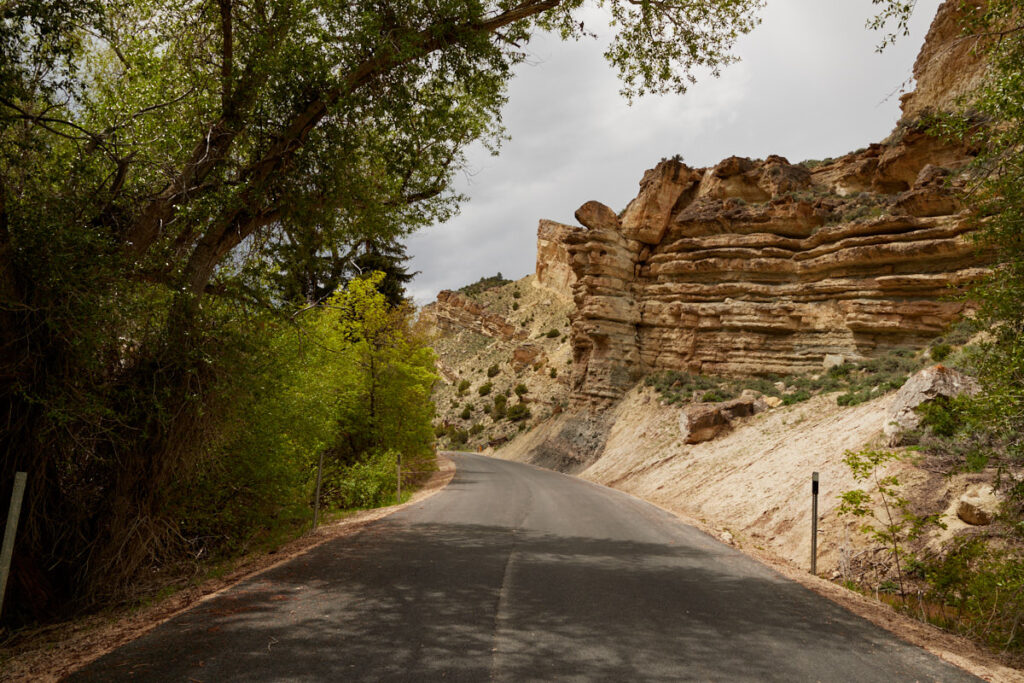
(489, 342)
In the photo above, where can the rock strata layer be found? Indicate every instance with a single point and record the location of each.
(454, 312)
(756, 267)
(753, 267)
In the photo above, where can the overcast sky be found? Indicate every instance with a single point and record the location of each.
(810, 85)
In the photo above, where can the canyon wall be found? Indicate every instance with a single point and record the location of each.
(763, 266)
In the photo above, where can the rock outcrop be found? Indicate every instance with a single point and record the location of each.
(454, 312)
(717, 284)
(948, 66)
(554, 270)
(764, 266)
(926, 386)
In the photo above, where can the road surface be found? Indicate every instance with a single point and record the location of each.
(513, 573)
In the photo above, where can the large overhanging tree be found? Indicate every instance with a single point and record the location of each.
(154, 158)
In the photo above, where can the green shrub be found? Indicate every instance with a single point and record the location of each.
(466, 413)
(553, 373)
(458, 437)
(483, 284)
(940, 352)
(984, 587)
(476, 429)
(499, 410)
(515, 307)
(552, 333)
(516, 294)
(367, 483)
(798, 396)
(484, 389)
(463, 387)
(521, 389)
(493, 370)
(519, 411)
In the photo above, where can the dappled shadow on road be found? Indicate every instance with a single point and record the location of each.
(408, 601)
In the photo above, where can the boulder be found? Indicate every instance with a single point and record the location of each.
(772, 401)
(525, 355)
(700, 422)
(832, 360)
(978, 506)
(596, 216)
(744, 406)
(927, 385)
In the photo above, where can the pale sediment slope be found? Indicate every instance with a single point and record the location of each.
(752, 485)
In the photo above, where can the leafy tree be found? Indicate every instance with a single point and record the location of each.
(163, 164)
(889, 521)
(389, 258)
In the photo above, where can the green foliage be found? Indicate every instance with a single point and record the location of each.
(484, 388)
(940, 352)
(859, 382)
(483, 284)
(500, 406)
(515, 307)
(519, 411)
(493, 371)
(552, 333)
(798, 396)
(515, 295)
(457, 438)
(476, 429)
(985, 586)
(348, 380)
(896, 524)
(553, 373)
(367, 483)
(463, 387)
(466, 413)
(521, 389)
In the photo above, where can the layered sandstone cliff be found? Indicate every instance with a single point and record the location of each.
(763, 266)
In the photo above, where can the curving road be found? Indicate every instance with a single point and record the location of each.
(514, 573)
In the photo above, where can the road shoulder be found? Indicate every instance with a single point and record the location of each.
(55, 652)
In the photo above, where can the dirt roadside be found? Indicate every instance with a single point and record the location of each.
(52, 653)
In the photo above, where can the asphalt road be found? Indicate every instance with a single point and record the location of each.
(518, 574)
